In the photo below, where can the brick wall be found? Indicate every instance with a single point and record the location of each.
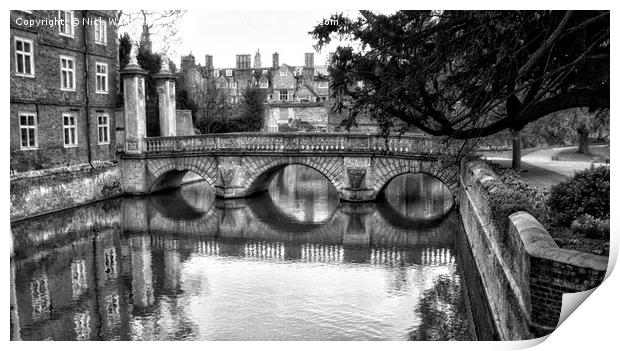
(524, 272)
(42, 93)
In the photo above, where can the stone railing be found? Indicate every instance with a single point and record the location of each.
(303, 142)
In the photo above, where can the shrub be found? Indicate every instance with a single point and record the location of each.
(591, 227)
(586, 193)
(522, 195)
(507, 201)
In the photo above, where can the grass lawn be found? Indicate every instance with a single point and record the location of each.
(534, 175)
(508, 153)
(598, 153)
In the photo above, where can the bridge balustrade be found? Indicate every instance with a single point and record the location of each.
(306, 142)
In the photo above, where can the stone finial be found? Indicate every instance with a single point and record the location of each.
(165, 65)
(133, 54)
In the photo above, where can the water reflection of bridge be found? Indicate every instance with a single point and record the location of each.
(141, 245)
(306, 252)
(254, 219)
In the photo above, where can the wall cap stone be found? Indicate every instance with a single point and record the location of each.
(538, 243)
(96, 165)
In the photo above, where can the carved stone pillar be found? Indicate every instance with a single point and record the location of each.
(230, 178)
(357, 172)
(135, 105)
(165, 82)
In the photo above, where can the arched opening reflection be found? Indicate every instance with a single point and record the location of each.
(304, 194)
(188, 202)
(419, 197)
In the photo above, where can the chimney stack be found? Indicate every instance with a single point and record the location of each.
(309, 62)
(209, 61)
(276, 60)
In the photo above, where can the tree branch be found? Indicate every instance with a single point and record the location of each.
(552, 38)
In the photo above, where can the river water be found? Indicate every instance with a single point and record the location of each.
(293, 263)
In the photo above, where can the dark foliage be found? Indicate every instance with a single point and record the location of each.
(591, 227)
(586, 193)
(468, 74)
(252, 109)
(442, 311)
(124, 49)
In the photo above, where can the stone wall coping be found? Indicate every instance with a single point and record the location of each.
(536, 239)
(60, 170)
(538, 243)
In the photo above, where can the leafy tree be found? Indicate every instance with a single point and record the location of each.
(161, 25)
(213, 109)
(252, 109)
(468, 74)
(573, 126)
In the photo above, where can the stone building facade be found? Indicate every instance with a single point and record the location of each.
(63, 87)
(302, 88)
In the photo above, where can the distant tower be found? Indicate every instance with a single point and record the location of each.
(309, 62)
(188, 62)
(257, 62)
(145, 38)
(276, 60)
(209, 61)
(243, 62)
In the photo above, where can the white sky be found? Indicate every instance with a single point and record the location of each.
(226, 33)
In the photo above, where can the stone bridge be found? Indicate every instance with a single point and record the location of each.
(241, 164)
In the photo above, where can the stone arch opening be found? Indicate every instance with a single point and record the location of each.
(260, 182)
(416, 197)
(174, 176)
(302, 193)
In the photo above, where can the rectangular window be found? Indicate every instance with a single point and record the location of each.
(283, 72)
(67, 73)
(101, 34)
(264, 85)
(229, 73)
(70, 131)
(65, 23)
(103, 128)
(24, 65)
(233, 84)
(102, 77)
(216, 73)
(264, 72)
(28, 130)
(283, 95)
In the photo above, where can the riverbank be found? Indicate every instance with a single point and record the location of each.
(39, 192)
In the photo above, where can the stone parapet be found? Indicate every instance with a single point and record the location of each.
(523, 271)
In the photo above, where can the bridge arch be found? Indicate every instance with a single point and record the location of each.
(262, 171)
(394, 167)
(169, 173)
